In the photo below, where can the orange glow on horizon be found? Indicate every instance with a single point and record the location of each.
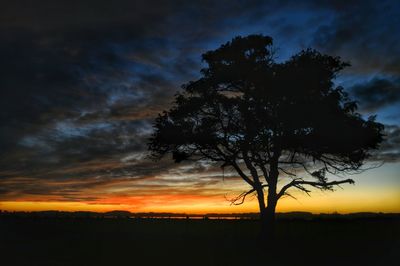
(343, 201)
(374, 191)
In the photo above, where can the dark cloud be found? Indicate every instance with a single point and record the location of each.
(390, 148)
(61, 60)
(377, 93)
(95, 179)
(363, 32)
(81, 81)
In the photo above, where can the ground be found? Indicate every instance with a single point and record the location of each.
(90, 241)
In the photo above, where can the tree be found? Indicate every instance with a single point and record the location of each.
(268, 120)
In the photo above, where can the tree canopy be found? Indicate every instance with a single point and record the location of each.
(267, 119)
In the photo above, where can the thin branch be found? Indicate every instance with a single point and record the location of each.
(286, 172)
(242, 196)
(298, 183)
(289, 195)
(303, 189)
(242, 174)
(250, 166)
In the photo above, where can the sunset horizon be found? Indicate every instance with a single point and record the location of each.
(360, 197)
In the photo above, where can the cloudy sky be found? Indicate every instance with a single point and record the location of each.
(81, 82)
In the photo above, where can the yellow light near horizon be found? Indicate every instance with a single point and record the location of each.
(342, 201)
(377, 190)
(370, 194)
(345, 201)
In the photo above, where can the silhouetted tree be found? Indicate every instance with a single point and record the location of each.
(267, 120)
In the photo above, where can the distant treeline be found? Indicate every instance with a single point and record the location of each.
(165, 215)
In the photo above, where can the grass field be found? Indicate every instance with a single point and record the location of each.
(39, 241)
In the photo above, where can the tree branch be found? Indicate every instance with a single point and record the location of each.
(253, 170)
(298, 183)
(242, 175)
(242, 196)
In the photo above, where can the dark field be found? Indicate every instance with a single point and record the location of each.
(40, 241)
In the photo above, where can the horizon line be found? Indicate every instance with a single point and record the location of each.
(198, 214)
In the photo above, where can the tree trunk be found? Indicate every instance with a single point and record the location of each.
(269, 217)
(263, 214)
(268, 212)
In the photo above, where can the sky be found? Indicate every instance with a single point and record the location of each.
(82, 81)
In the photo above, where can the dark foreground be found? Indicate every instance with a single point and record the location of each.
(63, 241)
